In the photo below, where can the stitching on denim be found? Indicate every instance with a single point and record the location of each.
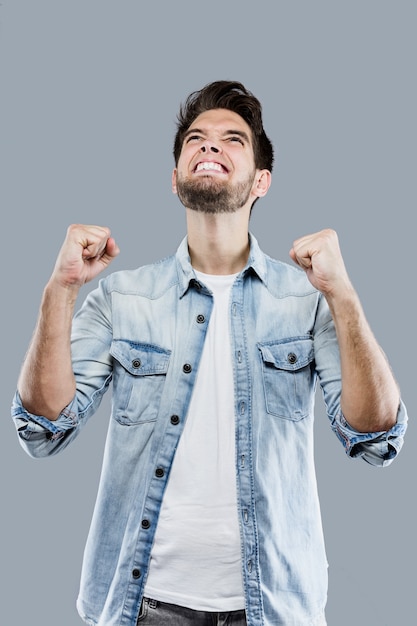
(70, 415)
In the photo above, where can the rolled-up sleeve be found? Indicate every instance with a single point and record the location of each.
(379, 448)
(40, 436)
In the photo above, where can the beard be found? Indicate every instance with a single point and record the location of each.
(211, 196)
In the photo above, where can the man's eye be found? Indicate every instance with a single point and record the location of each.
(238, 139)
(193, 138)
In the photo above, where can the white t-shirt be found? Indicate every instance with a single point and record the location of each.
(196, 556)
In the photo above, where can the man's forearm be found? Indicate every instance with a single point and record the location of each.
(370, 395)
(46, 383)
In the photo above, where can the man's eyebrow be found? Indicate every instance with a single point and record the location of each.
(191, 131)
(239, 133)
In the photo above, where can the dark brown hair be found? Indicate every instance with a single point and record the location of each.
(232, 95)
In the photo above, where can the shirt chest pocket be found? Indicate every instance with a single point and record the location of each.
(139, 373)
(288, 377)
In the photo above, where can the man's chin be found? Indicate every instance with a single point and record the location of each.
(206, 182)
(209, 195)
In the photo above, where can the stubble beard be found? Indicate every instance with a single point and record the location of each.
(207, 195)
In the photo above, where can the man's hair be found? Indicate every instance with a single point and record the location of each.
(232, 95)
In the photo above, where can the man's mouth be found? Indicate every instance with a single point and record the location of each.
(210, 166)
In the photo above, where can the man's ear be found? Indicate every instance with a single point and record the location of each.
(174, 181)
(262, 183)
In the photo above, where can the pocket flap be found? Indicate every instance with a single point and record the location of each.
(140, 359)
(289, 354)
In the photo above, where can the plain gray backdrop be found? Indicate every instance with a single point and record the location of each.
(89, 91)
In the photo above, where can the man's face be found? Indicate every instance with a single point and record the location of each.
(216, 169)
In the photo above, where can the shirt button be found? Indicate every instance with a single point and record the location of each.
(136, 363)
(292, 358)
(201, 319)
(175, 420)
(136, 573)
(146, 524)
(159, 472)
(186, 368)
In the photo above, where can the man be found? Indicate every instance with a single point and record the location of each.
(207, 511)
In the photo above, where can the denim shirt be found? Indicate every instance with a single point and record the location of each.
(144, 330)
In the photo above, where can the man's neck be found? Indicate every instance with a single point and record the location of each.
(218, 244)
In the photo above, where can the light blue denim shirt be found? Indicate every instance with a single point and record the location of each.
(144, 330)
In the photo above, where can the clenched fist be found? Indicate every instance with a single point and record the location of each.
(86, 251)
(320, 257)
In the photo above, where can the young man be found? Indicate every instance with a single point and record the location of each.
(207, 511)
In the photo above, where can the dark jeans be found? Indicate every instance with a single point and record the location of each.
(157, 613)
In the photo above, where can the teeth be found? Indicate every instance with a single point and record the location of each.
(209, 165)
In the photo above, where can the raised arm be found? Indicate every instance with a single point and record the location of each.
(46, 383)
(370, 395)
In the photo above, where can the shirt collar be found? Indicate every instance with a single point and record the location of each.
(186, 274)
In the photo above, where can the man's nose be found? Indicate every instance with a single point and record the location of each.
(210, 147)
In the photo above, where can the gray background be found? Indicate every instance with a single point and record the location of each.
(89, 94)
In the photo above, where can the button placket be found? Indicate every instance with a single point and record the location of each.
(245, 470)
